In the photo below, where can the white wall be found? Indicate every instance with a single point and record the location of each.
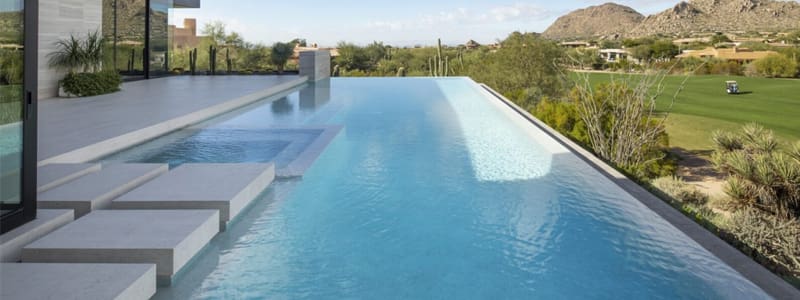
(59, 19)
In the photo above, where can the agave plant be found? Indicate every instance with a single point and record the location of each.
(68, 55)
(82, 55)
(760, 175)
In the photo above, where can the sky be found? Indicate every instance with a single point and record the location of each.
(396, 22)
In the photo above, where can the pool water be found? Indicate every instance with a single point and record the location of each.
(434, 190)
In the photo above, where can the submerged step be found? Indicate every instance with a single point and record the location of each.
(53, 175)
(77, 281)
(167, 238)
(95, 191)
(226, 187)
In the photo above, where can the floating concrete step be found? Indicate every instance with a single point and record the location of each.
(167, 238)
(95, 191)
(47, 220)
(53, 175)
(77, 281)
(226, 187)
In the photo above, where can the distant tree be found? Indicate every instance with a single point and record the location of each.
(215, 31)
(280, 54)
(234, 40)
(300, 42)
(375, 53)
(610, 44)
(776, 65)
(352, 57)
(664, 50)
(719, 38)
(525, 68)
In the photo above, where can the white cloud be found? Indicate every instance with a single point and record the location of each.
(464, 16)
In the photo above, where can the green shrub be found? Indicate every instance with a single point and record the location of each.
(770, 239)
(776, 65)
(679, 190)
(91, 84)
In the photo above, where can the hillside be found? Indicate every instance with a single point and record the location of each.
(603, 20)
(684, 17)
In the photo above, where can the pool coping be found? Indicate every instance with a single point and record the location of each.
(120, 142)
(769, 282)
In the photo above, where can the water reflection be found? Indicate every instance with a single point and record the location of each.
(316, 95)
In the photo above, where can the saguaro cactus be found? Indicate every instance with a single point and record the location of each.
(439, 66)
(401, 72)
(131, 60)
(212, 59)
(193, 60)
(228, 60)
(336, 71)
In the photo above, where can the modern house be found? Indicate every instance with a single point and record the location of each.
(614, 55)
(739, 55)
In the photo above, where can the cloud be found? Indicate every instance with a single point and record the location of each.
(464, 16)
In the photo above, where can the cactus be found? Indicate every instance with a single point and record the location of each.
(212, 59)
(389, 54)
(336, 71)
(228, 60)
(438, 66)
(131, 59)
(193, 60)
(401, 72)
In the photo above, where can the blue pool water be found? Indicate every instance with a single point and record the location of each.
(434, 190)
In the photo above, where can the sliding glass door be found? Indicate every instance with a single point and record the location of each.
(17, 112)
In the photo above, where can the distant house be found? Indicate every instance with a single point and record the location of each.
(575, 44)
(471, 44)
(185, 37)
(740, 55)
(614, 55)
(297, 49)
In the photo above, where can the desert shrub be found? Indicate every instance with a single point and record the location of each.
(760, 174)
(679, 190)
(562, 117)
(776, 65)
(91, 84)
(769, 238)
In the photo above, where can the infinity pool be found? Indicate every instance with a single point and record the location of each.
(432, 189)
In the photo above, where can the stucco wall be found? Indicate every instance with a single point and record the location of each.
(59, 19)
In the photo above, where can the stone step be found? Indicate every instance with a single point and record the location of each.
(96, 190)
(166, 238)
(53, 175)
(77, 281)
(47, 220)
(226, 187)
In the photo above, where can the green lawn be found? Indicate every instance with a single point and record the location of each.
(703, 106)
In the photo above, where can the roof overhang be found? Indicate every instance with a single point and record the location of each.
(186, 3)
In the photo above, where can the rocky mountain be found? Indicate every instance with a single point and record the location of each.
(685, 17)
(722, 16)
(603, 20)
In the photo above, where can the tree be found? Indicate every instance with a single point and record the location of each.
(719, 38)
(234, 40)
(352, 57)
(300, 42)
(776, 65)
(525, 68)
(621, 121)
(215, 31)
(375, 52)
(280, 54)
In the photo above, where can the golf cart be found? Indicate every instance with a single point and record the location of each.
(731, 87)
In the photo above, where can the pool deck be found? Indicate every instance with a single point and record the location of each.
(83, 129)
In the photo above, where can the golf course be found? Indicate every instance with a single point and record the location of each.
(703, 106)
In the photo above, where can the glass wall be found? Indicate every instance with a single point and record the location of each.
(17, 113)
(160, 41)
(11, 101)
(124, 31)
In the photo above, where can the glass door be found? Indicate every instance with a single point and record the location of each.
(17, 112)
